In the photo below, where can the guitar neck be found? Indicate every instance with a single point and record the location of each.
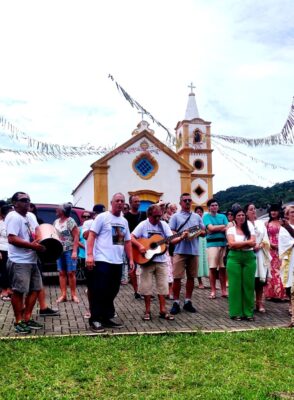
(170, 238)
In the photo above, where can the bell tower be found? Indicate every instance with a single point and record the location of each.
(194, 145)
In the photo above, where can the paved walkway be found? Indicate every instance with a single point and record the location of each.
(212, 315)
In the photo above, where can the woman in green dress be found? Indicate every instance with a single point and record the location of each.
(202, 260)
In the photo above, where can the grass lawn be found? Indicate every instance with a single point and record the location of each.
(251, 365)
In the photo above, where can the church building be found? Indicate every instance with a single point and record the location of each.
(145, 166)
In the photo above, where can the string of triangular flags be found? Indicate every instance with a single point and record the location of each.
(286, 136)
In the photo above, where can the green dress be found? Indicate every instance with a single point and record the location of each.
(202, 261)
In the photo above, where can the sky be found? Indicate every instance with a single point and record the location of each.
(56, 57)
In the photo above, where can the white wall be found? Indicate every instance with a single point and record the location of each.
(84, 195)
(122, 177)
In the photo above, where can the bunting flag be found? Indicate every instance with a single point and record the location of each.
(257, 160)
(50, 149)
(134, 103)
(240, 166)
(286, 136)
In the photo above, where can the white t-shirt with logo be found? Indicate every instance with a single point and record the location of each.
(146, 230)
(112, 233)
(23, 227)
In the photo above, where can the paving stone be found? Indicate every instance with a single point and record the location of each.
(212, 315)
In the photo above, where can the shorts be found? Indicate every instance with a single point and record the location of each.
(66, 263)
(215, 256)
(159, 271)
(185, 262)
(24, 278)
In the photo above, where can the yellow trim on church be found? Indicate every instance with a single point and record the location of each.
(148, 195)
(100, 174)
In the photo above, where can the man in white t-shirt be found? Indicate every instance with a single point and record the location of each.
(25, 278)
(158, 264)
(109, 236)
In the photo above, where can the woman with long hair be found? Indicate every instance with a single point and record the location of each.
(68, 233)
(274, 288)
(286, 253)
(263, 257)
(241, 267)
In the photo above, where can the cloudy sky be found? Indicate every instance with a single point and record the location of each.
(54, 86)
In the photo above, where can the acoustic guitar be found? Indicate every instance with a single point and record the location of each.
(156, 245)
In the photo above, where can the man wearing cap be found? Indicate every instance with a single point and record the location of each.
(25, 278)
(108, 238)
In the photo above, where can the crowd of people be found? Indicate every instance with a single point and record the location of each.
(253, 260)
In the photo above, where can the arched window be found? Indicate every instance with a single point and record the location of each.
(197, 136)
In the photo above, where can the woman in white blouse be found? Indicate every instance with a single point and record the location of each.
(241, 267)
(262, 253)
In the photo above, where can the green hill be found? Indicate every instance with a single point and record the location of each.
(261, 197)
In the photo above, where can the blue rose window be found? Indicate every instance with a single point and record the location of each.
(144, 166)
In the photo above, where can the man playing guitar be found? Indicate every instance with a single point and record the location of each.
(157, 266)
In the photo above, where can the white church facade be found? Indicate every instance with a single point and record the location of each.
(145, 166)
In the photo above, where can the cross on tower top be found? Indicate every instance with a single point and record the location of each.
(191, 87)
(142, 114)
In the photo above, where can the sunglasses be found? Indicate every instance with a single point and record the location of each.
(156, 216)
(24, 200)
(187, 200)
(86, 216)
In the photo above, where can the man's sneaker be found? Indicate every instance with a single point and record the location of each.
(34, 325)
(111, 324)
(22, 327)
(189, 307)
(49, 312)
(176, 309)
(96, 327)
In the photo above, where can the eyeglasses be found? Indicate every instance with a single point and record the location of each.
(86, 216)
(24, 200)
(187, 200)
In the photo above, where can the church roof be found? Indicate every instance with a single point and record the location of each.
(145, 134)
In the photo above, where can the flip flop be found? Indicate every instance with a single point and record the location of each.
(6, 298)
(166, 316)
(146, 317)
(212, 296)
(75, 299)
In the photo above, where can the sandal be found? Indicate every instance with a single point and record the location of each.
(212, 296)
(146, 317)
(237, 318)
(166, 316)
(61, 299)
(75, 299)
(6, 298)
(291, 325)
